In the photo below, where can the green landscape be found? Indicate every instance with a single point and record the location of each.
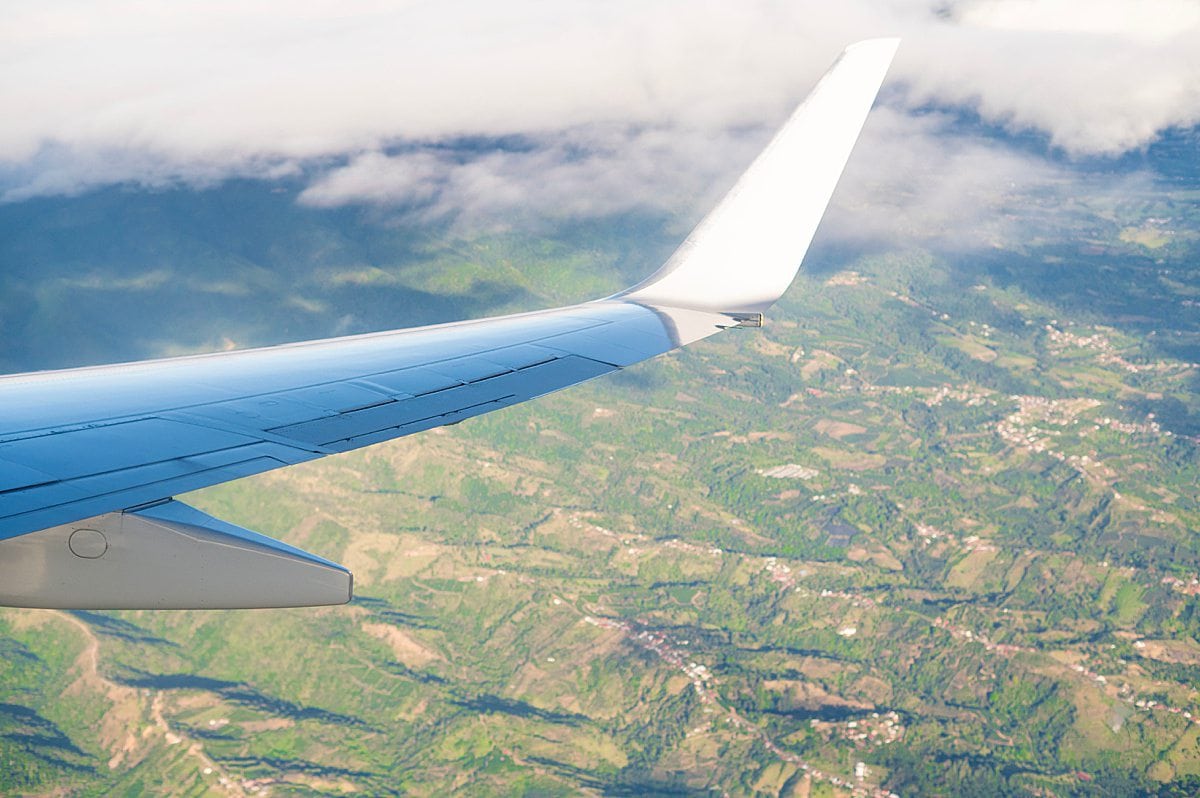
(931, 531)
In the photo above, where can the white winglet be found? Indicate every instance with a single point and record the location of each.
(746, 252)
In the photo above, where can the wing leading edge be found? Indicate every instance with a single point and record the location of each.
(90, 458)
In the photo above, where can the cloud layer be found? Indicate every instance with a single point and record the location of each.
(610, 105)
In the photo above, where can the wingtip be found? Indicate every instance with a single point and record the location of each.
(880, 51)
(745, 253)
(882, 43)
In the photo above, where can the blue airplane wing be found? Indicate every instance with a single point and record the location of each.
(90, 458)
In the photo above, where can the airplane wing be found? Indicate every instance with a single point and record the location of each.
(90, 458)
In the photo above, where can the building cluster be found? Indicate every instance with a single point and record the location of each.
(781, 572)
(972, 398)
(577, 522)
(928, 533)
(1188, 587)
(1061, 340)
(1020, 429)
(1147, 427)
(1059, 412)
(931, 534)
(1091, 675)
(912, 303)
(962, 633)
(879, 729)
(855, 785)
(848, 277)
(692, 548)
(790, 471)
(855, 599)
(888, 725)
(1109, 355)
(1153, 705)
(665, 649)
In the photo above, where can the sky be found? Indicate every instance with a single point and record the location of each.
(490, 113)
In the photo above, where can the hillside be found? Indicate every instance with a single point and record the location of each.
(930, 531)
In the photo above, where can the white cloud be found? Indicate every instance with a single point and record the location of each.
(913, 180)
(1145, 20)
(623, 103)
(591, 171)
(1099, 77)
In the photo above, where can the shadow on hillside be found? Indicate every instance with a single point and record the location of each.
(236, 693)
(249, 764)
(386, 611)
(494, 704)
(41, 738)
(120, 629)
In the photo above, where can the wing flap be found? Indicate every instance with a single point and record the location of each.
(334, 397)
(96, 450)
(14, 476)
(258, 413)
(59, 503)
(445, 406)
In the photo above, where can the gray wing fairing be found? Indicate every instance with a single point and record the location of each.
(165, 556)
(90, 458)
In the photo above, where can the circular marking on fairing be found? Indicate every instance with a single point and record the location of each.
(90, 544)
